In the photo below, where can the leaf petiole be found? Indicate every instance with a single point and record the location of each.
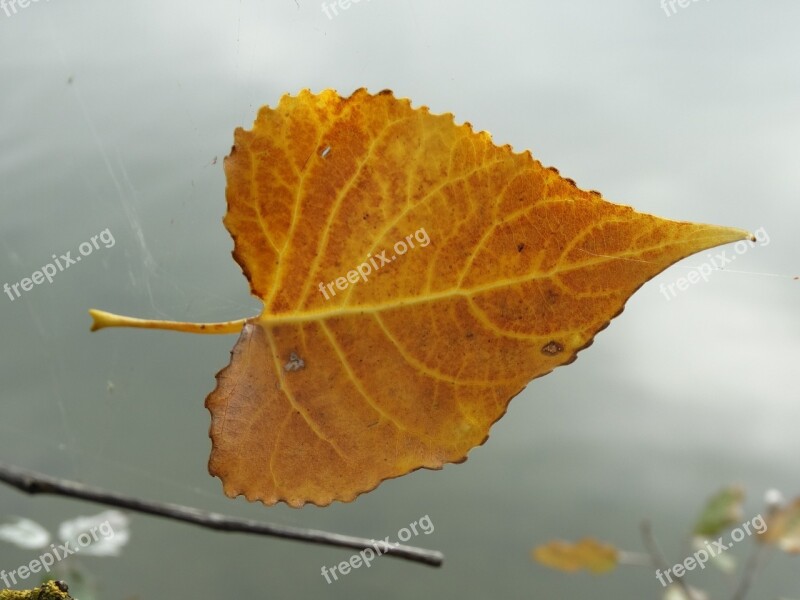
(102, 319)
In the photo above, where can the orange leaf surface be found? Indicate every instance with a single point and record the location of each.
(587, 553)
(415, 277)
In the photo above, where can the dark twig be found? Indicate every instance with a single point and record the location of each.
(32, 482)
(750, 569)
(659, 561)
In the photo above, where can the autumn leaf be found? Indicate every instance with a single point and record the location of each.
(783, 528)
(588, 553)
(415, 277)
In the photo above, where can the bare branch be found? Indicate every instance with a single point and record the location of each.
(32, 482)
(659, 561)
(750, 570)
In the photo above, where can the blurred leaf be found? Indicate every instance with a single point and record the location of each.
(783, 528)
(25, 533)
(722, 511)
(675, 592)
(587, 553)
(107, 533)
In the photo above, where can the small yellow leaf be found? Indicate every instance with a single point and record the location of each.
(587, 553)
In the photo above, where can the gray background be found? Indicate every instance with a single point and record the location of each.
(111, 115)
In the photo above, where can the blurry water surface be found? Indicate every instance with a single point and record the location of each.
(117, 116)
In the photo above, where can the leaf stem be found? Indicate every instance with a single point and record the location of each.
(102, 319)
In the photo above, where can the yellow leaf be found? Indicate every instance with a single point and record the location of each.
(415, 277)
(587, 553)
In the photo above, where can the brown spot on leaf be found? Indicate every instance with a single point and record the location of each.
(295, 363)
(552, 348)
